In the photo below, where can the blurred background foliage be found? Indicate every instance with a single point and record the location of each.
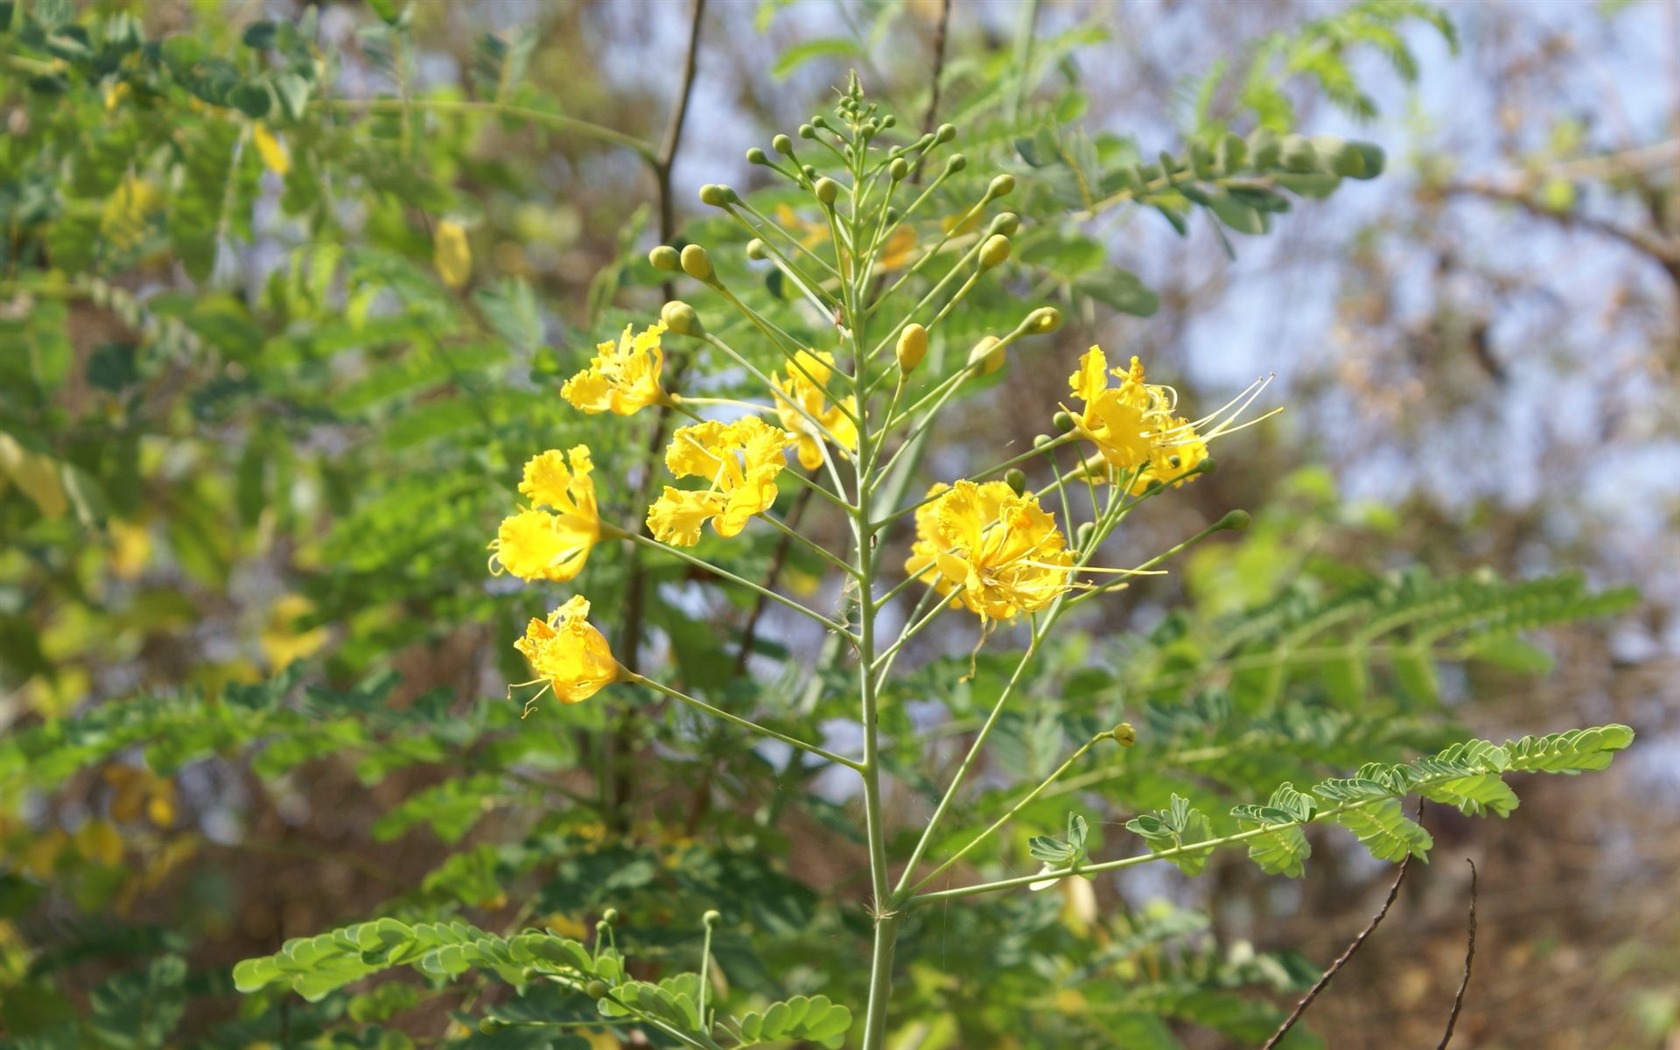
(286, 294)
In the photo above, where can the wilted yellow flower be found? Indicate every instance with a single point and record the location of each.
(571, 657)
(808, 373)
(740, 459)
(537, 544)
(1003, 549)
(622, 378)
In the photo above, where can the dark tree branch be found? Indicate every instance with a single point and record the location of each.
(1469, 959)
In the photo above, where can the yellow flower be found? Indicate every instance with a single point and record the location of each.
(622, 378)
(451, 254)
(1134, 425)
(895, 253)
(271, 150)
(568, 653)
(739, 459)
(553, 544)
(808, 373)
(1003, 549)
(129, 212)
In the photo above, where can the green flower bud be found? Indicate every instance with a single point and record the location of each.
(757, 156)
(892, 216)
(995, 252)
(826, 190)
(1083, 535)
(987, 355)
(1016, 479)
(1235, 521)
(1006, 223)
(1040, 440)
(714, 195)
(957, 163)
(1002, 186)
(597, 990)
(783, 145)
(712, 918)
(806, 131)
(889, 121)
(809, 172)
(756, 249)
(1043, 321)
(609, 916)
(1062, 421)
(822, 122)
(696, 263)
(1124, 734)
(912, 346)
(679, 317)
(898, 169)
(664, 257)
(945, 133)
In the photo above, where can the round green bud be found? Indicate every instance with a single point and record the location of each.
(664, 257)
(714, 195)
(898, 169)
(1002, 186)
(609, 916)
(597, 990)
(679, 317)
(756, 249)
(1006, 223)
(912, 346)
(1043, 321)
(1016, 479)
(806, 131)
(889, 121)
(826, 190)
(822, 122)
(757, 156)
(892, 216)
(1235, 520)
(809, 172)
(1124, 734)
(696, 263)
(712, 918)
(492, 1025)
(1207, 466)
(1040, 440)
(1062, 421)
(1083, 535)
(957, 163)
(995, 252)
(783, 145)
(945, 133)
(987, 355)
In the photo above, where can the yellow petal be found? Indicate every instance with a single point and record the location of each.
(270, 149)
(451, 254)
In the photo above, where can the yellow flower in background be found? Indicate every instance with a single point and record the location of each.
(129, 212)
(136, 790)
(895, 252)
(272, 150)
(1002, 549)
(281, 641)
(451, 254)
(739, 459)
(553, 544)
(621, 378)
(807, 374)
(568, 653)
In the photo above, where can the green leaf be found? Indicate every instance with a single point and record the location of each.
(1119, 289)
(794, 57)
(1474, 795)
(1384, 830)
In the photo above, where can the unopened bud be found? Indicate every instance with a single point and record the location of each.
(756, 249)
(809, 172)
(711, 918)
(714, 195)
(783, 145)
(1006, 223)
(597, 990)
(609, 916)
(1040, 440)
(1062, 421)
(1002, 186)
(679, 317)
(912, 346)
(696, 263)
(956, 163)
(995, 252)
(1235, 520)
(1124, 734)
(1083, 535)
(1016, 479)
(826, 190)
(757, 156)
(945, 133)
(1043, 321)
(664, 257)
(987, 355)
(898, 169)
(889, 121)
(806, 131)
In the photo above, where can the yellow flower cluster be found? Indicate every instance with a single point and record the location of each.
(568, 653)
(553, 544)
(739, 460)
(621, 378)
(800, 400)
(1001, 548)
(1134, 425)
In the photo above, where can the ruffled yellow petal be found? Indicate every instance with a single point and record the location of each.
(739, 460)
(805, 412)
(1002, 549)
(676, 516)
(568, 653)
(622, 377)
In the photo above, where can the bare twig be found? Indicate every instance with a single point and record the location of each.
(939, 32)
(1664, 250)
(1341, 961)
(1469, 959)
